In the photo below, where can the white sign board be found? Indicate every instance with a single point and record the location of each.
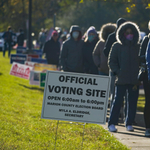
(20, 70)
(35, 77)
(75, 97)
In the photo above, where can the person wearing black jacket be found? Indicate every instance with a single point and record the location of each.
(109, 42)
(20, 38)
(52, 49)
(124, 63)
(146, 86)
(71, 58)
(88, 47)
(112, 37)
(7, 40)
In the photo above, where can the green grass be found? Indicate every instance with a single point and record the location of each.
(141, 103)
(21, 126)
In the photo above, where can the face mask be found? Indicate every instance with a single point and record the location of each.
(75, 34)
(9, 30)
(91, 38)
(129, 37)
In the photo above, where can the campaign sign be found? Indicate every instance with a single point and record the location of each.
(42, 79)
(43, 67)
(33, 56)
(21, 50)
(34, 77)
(19, 58)
(39, 52)
(20, 70)
(29, 63)
(75, 97)
(39, 60)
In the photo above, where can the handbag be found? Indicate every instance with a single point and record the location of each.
(142, 72)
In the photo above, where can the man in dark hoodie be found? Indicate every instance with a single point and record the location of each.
(52, 49)
(20, 38)
(112, 37)
(71, 55)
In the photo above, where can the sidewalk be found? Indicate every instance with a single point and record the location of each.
(134, 140)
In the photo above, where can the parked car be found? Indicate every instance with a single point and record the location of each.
(1, 42)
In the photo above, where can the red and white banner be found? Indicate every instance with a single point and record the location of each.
(19, 70)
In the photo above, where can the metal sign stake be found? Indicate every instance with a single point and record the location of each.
(69, 123)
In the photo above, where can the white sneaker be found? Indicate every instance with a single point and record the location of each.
(112, 128)
(130, 128)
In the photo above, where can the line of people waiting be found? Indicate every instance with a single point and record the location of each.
(116, 51)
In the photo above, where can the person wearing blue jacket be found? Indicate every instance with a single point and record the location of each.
(147, 103)
(88, 47)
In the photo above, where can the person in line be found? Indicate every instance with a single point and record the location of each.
(124, 63)
(7, 36)
(109, 42)
(20, 37)
(99, 58)
(88, 47)
(145, 45)
(42, 38)
(52, 49)
(71, 58)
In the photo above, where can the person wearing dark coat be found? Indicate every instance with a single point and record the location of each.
(112, 37)
(124, 63)
(109, 42)
(7, 40)
(71, 58)
(20, 38)
(143, 48)
(88, 47)
(52, 49)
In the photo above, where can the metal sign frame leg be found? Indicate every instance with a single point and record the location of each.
(69, 123)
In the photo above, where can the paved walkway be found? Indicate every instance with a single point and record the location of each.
(134, 140)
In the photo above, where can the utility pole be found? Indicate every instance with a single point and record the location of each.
(54, 21)
(30, 28)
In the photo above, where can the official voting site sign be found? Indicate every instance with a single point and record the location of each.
(75, 97)
(42, 79)
(19, 58)
(20, 70)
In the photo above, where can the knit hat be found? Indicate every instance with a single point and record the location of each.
(54, 33)
(91, 30)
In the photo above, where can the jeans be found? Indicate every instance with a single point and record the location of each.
(147, 100)
(102, 73)
(5, 48)
(132, 97)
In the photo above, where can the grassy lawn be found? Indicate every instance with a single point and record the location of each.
(141, 103)
(21, 126)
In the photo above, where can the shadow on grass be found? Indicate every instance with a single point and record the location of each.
(1, 74)
(32, 88)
